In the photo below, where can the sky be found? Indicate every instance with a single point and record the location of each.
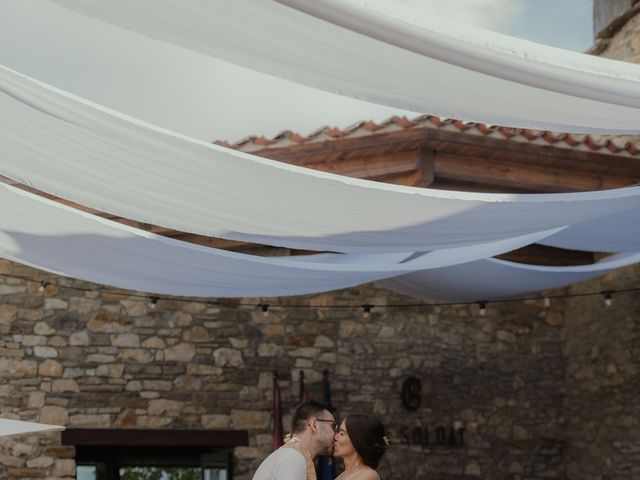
(212, 100)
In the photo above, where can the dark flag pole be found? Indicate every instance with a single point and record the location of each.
(326, 388)
(304, 395)
(326, 469)
(277, 413)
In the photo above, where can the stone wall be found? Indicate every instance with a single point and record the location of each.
(499, 376)
(604, 11)
(102, 359)
(603, 369)
(625, 45)
(620, 39)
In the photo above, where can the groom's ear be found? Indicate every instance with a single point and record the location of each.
(313, 425)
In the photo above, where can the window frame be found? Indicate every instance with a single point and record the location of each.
(112, 449)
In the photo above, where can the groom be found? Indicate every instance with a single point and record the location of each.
(313, 430)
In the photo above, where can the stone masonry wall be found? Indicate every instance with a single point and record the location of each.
(625, 43)
(605, 11)
(104, 359)
(603, 373)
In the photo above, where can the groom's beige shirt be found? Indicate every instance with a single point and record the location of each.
(296, 444)
(292, 461)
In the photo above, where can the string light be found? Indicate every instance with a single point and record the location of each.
(265, 308)
(608, 298)
(366, 308)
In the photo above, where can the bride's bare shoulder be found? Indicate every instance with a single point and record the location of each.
(369, 475)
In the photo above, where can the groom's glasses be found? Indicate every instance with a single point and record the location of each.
(334, 425)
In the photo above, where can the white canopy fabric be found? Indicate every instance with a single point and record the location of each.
(83, 152)
(493, 279)
(17, 427)
(438, 68)
(62, 240)
(619, 232)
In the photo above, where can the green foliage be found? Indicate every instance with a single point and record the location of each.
(157, 473)
(186, 474)
(140, 473)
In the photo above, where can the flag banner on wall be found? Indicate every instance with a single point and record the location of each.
(277, 414)
(304, 394)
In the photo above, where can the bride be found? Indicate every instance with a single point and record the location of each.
(360, 442)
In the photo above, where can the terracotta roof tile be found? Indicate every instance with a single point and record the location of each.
(551, 137)
(507, 132)
(625, 145)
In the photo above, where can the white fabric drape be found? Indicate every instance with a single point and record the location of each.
(493, 279)
(99, 158)
(438, 68)
(69, 147)
(17, 427)
(618, 232)
(65, 241)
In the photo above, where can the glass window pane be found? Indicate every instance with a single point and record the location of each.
(215, 474)
(86, 472)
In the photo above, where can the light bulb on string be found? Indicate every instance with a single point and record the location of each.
(608, 298)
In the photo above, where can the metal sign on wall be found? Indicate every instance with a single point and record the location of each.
(420, 434)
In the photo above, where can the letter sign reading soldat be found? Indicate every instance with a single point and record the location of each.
(419, 434)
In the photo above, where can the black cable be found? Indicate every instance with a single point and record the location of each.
(154, 298)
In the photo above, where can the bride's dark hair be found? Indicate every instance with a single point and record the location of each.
(368, 437)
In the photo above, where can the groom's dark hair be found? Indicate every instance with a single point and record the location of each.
(305, 411)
